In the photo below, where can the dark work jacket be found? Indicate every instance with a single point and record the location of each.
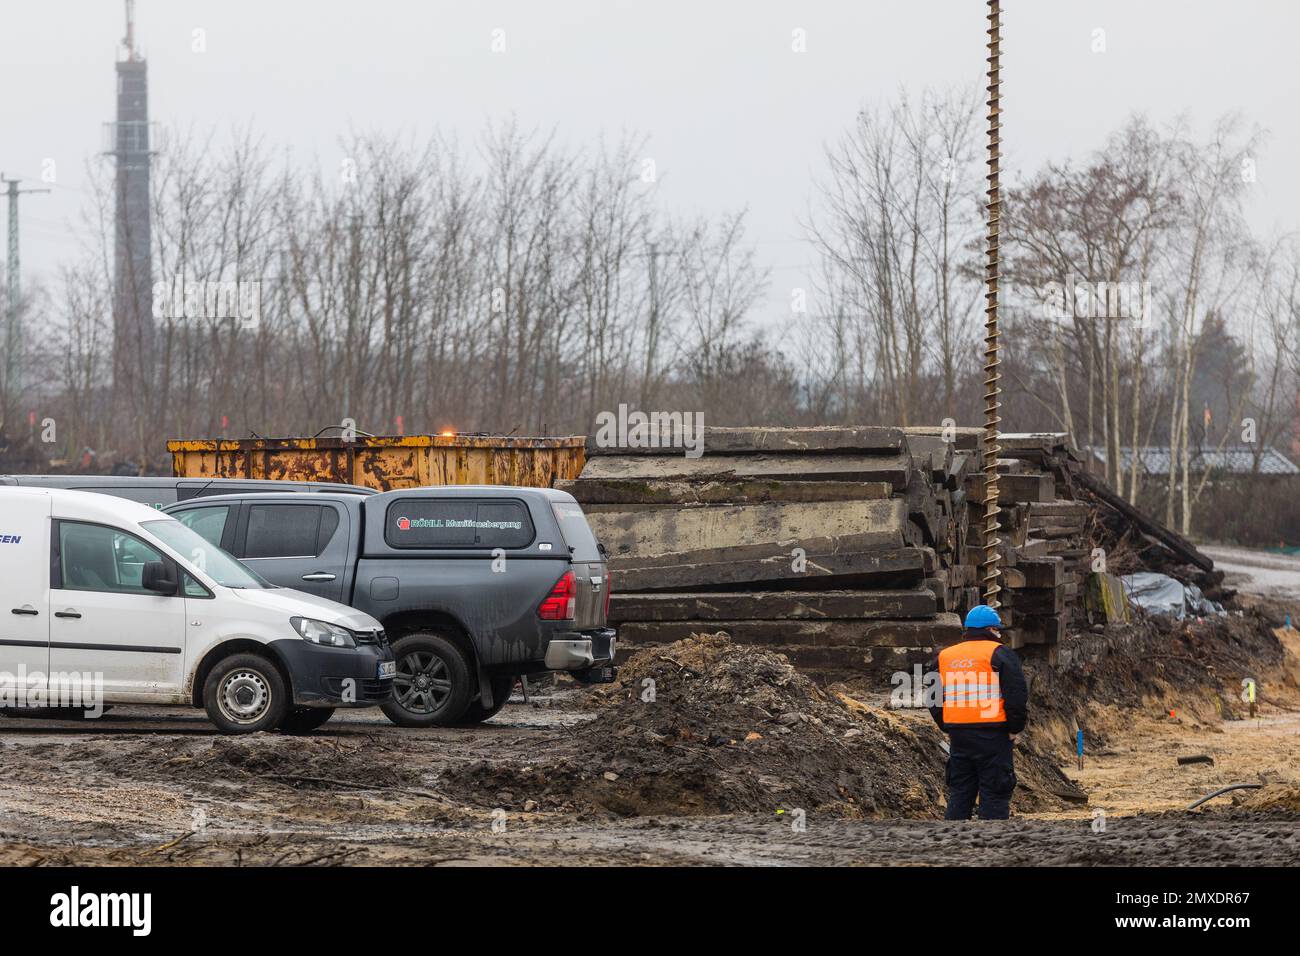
(1015, 695)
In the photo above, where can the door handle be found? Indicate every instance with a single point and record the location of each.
(68, 613)
(26, 609)
(318, 576)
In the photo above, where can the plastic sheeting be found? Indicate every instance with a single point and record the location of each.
(1161, 594)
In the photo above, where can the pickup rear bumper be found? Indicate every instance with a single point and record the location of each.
(581, 650)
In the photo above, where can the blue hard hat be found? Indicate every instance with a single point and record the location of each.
(981, 615)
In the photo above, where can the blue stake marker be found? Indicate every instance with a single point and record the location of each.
(1079, 746)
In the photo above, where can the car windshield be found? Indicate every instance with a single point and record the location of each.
(204, 555)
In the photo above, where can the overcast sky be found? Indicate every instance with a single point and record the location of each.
(734, 117)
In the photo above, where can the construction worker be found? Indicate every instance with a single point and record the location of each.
(981, 701)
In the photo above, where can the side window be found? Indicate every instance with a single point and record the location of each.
(283, 531)
(457, 523)
(193, 588)
(329, 523)
(95, 558)
(208, 523)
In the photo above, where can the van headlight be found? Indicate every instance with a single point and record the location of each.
(318, 632)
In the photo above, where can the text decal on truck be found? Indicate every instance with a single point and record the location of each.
(406, 524)
(10, 538)
(456, 522)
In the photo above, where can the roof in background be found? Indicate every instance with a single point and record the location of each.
(1239, 460)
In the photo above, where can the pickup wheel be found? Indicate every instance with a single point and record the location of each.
(244, 693)
(303, 720)
(433, 686)
(476, 713)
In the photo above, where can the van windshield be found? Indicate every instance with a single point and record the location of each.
(204, 555)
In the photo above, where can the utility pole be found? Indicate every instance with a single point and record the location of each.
(992, 388)
(13, 321)
(652, 329)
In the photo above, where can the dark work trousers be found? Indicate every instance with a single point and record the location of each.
(980, 763)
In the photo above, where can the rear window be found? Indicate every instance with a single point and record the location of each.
(576, 531)
(457, 523)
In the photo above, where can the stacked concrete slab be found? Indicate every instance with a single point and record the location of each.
(852, 549)
(836, 544)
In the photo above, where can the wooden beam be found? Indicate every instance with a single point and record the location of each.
(1013, 489)
(1175, 542)
(1036, 600)
(1041, 572)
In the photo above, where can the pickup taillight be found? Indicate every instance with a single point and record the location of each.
(559, 605)
(609, 589)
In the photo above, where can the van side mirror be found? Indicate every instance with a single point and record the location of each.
(154, 578)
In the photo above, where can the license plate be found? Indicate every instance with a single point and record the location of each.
(387, 669)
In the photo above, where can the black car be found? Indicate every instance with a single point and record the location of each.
(474, 585)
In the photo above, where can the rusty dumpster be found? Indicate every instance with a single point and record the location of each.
(385, 462)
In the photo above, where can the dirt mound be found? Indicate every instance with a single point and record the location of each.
(1271, 803)
(1150, 664)
(706, 726)
(1274, 798)
(304, 762)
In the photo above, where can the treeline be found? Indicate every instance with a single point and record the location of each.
(524, 295)
(518, 285)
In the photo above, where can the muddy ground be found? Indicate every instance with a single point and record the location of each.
(737, 760)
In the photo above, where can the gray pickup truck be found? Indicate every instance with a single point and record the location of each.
(474, 585)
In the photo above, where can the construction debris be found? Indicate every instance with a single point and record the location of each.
(858, 549)
(1161, 594)
(1179, 546)
(707, 726)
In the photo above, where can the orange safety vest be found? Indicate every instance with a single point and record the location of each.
(972, 693)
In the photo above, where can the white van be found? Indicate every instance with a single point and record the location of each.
(111, 602)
